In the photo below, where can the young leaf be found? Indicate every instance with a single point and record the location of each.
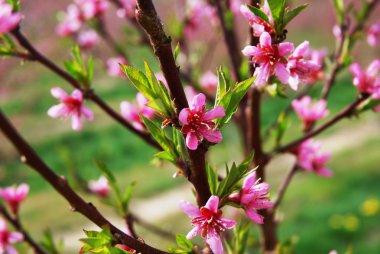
(277, 9)
(49, 244)
(259, 13)
(293, 13)
(212, 177)
(339, 10)
(139, 80)
(183, 242)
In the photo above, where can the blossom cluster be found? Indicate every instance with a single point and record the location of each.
(8, 19)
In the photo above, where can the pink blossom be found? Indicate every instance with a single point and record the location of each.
(128, 8)
(132, 111)
(71, 23)
(190, 92)
(99, 187)
(258, 25)
(235, 6)
(253, 196)
(271, 59)
(367, 81)
(91, 8)
(316, 56)
(113, 66)
(70, 105)
(301, 69)
(333, 252)
(309, 112)
(8, 238)
(197, 122)
(373, 34)
(14, 196)
(8, 20)
(200, 16)
(88, 39)
(208, 221)
(337, 32)
(310, 158)
(209, 81)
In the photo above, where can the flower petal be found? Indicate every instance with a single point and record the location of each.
(214, 113)
(56, 111)
(254, 216)
(15, 237)
(76, 122)
(265, 40)
(212, 204)
(302, 49)
(285, 48)
(228, 223)
(213, 136)
(194, 232)
(87, 113)
(251, 51)
(77, 94)
(188, 208)
(213, 239)
(249, 181)
(281, 72)
(192, 141)
(58, 93)
(183, 116)
(198, 102)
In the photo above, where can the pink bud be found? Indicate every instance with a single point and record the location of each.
(8, 20)
(99, 187)
(14, 196)
(113, 66)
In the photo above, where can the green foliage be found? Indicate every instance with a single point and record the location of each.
(276, 90)
(7, 46)
(121, 201)
(282, 125)
(212, 178)
(99, 242)
(15, 5)
(49, 245)
(151, 88)
(185, 246)
(368, 104)
(176, 51)
(79, 69)
(229, 96)
(259, 13)
(238, 244)
(288, 246)
(339, 10)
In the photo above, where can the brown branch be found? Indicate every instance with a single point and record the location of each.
(23, 41)
(60, 184)
(147, 17)
(284, 186)
(346, 112)
(230, 41)
(18, 226)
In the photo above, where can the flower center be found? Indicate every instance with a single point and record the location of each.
(209, 220)
(72, 103)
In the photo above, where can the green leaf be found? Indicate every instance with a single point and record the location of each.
(128, 195)
(49, 244)
(276, 90)
(293, 13)
(339, 10)
(259, 13)
(15, 5)
(283, 124)
(183, 242)
(176, 51)
(139, 80)
(77, 68)
(277, 9)
(212, 177)
(165, 155)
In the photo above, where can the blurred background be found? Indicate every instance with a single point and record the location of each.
(317, 215)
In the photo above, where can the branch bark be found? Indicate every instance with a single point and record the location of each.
(63, 188)
(147, 17)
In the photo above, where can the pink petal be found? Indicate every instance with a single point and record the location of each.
(212, 204)
(213, 239)
(285, 48)
(87, 113)
(58, 93)
(262, 74)
(249, 181)
(192, 141)
(254, 216)
(281, 72)
(325, 172)
(183, 116)
(214, 113)
(188, 208)
(265, 40)
(10, 249)
(57, 111)
(293, 82)
(76, 122)
(228, 223)
(302, 49)
(356, 70)
(23, 190)
(3, 226)
(213, 136)
(194, 232)
(198, 102)
(15, 237)
(77, 94)
(374, 68)
(251, 51)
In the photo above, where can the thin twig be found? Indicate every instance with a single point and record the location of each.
(23, 41)
(18, 226)
(284, 186)
(60, 184)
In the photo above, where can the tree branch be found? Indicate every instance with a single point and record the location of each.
(37, 56)
(284, 186)
(63, 188)
(147, 17)
(18, 226)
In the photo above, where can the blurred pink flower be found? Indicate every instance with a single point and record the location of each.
(310, 158)
(309, 112)
(190, 92)
(132, 111)
(14, 196)
(8, 20)
(99, 187)
(258, 25)
(8, 238)
(128, 8)
(373, 34)
(88, 39)
(160, 77)
(91, 8)
(113, 66)
(337, 32)
(367, 81)
(301, 69)
(201, 18)
(71, 23)
(253, 196)
(235, 6)
(70, 105)
(208, 221)
(209, 81)
(197, 122)
(271, 59)
(316, 56)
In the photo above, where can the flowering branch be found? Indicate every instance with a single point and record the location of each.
(62, 187)
(147, 17)
(346, 112)
(37, 56)
(17, 225)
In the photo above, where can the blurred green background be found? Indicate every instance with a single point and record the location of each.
(317, 215)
